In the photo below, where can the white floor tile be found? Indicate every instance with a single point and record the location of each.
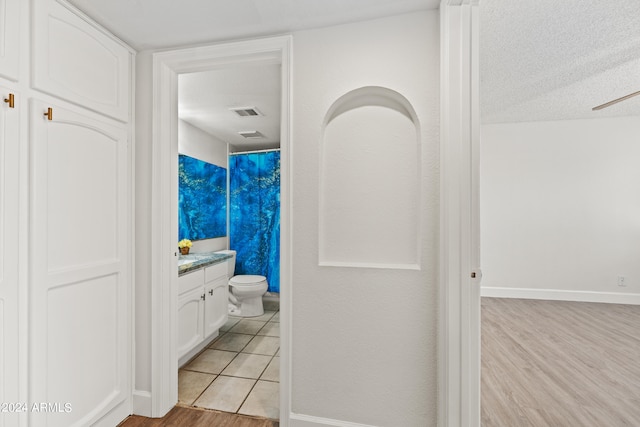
(247, 366)
(211, 361)
(271, 329)
(191, 385)
(231, 342)
(225, 394)
(247, 327)
(263, 345)
(263, 401)
(272, 373)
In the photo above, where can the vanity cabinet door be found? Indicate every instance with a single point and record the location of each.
(190, 320)
(9, 38)
(216, 305)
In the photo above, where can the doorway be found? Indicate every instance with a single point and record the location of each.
(167, 67)
(229, 129)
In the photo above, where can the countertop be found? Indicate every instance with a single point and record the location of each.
(192, 262)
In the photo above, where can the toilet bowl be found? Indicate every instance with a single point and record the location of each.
(245, 291)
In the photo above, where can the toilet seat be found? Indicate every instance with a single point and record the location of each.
(247, 280)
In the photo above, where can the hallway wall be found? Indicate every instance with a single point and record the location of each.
(364, 339)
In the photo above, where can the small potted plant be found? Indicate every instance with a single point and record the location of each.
(184, 246)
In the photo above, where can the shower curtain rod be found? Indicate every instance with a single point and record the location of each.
(254, 152)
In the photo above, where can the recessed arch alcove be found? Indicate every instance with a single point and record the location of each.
(370, 181)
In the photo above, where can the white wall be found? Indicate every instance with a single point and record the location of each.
(560, 209)
(143, 214)
(198, 144)
(364, 339)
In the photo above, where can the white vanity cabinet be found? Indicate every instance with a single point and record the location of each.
(202, 308)
(216, 305)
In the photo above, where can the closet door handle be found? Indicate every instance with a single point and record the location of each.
(10, 101)
(49, 114)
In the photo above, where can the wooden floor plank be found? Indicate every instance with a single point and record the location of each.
(182, 416)
(558, 363)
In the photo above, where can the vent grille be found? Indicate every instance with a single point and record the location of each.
(251, 134)
(246, 111)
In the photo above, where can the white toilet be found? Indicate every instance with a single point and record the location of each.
(245, 291)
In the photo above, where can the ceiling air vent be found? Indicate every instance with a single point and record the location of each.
(253, 134)
(246, 111)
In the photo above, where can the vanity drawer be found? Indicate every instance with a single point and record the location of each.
(189, 281)
(215, 271)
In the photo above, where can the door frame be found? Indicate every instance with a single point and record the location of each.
(164, 223)
(460, 274)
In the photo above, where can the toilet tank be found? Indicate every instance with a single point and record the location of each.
(231, 262)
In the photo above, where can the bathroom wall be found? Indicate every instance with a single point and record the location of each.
(198, 144)
(364, 339)
(560, 209)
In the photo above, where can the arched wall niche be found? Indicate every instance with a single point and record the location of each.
(370, 182)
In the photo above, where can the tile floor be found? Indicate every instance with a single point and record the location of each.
(239, 372)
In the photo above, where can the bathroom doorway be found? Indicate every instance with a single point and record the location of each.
(169, 67)
(229, 122)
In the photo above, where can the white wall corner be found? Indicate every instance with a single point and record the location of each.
(142, 403)
(459, 318)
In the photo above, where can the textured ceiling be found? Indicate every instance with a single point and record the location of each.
(555, 60)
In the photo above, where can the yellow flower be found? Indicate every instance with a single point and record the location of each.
(185, 243)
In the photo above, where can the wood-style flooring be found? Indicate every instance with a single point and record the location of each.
(181, 416)
(557, 363)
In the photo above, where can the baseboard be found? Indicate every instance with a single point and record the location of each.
(561, 295)
(300, 420)
(142, 403)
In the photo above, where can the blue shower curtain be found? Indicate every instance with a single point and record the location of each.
(254, 214)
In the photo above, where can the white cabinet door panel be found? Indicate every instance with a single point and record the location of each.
(80, 288)
(216, 305)
(9, 38)
(190, 319)
(77, 62)
(9, 205)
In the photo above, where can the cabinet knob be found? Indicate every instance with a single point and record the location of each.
(203, 297)
(211, 292)
(49, 114)
(10, 101)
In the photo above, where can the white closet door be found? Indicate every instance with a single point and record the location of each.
(9, 361)
(80, 291)
(76, 61)
(9, 38)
